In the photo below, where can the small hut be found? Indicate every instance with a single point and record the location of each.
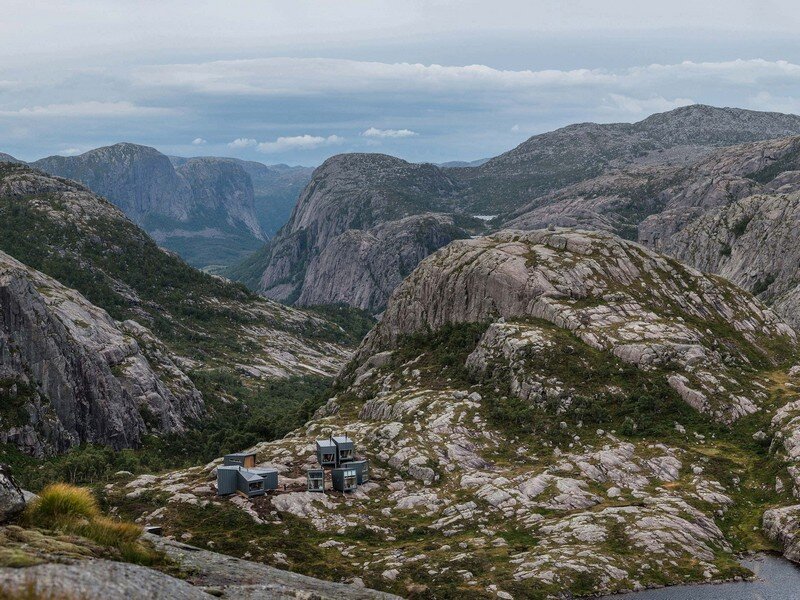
(240, 459)
(269, 475)
(326, 452)
(227, 480)
(250, 483)
(345, 449)
(316, 480)
(362, 470)
(344, 479)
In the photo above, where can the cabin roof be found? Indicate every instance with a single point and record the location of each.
(342, 439)
(241, 454)
(326, 443)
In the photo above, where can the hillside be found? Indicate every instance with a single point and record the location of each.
(275, 189)
(545, 413)
(234, 346)
(203, 209)
(612, 177)
(369, 217)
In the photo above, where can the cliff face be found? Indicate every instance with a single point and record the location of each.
(203, 209)
(80, 376)
(545, 413)
(366, 217)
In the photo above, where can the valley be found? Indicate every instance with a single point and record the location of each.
(574, 368)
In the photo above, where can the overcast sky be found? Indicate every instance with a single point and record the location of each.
(296, 81)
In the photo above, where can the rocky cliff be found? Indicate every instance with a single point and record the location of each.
(370, 217)
(204, 209)
(545, 413)
(73, 375)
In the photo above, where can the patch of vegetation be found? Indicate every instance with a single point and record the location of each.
(355, 323)
(266, 412)
(73, 510)
(740, 226)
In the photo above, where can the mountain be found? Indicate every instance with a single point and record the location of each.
(232, 344)
(275, 189)
(203, 209)
(575, 153)
(546, 414)
(9, 159)
(365, 218)
(611, 177)
(71, 375)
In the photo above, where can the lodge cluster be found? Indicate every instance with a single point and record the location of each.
(239, 474)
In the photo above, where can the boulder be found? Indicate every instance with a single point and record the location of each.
(12, 499)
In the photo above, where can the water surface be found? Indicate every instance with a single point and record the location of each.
(776, 579)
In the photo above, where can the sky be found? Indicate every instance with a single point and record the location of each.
(296, 81)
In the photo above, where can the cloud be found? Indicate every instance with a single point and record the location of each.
(240, 143)
(374, 132)
(70, 152)
(298, 142)
(199, 142)
(649, 105)
(92, 109)
(515, 128)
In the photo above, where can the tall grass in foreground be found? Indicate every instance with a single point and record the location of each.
(74, 510)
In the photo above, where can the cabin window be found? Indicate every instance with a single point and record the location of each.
(365, 472)
(316, 484)
(256, 485)
(346, 454)
(327, 458)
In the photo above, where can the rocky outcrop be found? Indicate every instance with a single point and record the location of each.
(91, 379)
(369, 218)
(519, 403)
(12, 499)
(362, 267)
(204, 209)
(614, 295)
(238, 578)
(782, 525)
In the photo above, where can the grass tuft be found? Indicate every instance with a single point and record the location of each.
(61, 503)
(74, 510)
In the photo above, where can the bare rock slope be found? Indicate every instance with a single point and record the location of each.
(545, 413)
(78, 375)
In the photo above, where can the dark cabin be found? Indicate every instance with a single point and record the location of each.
(344, 479)
(251, 483)
(316, 480)
(326, 453)
(240, 459)
(227, 480)
(362, 470)
(269, 475)
(345, 449)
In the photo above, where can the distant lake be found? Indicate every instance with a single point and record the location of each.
(777, 579)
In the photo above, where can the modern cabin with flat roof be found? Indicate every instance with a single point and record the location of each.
(240, 459)
(344, 479)
(326, 453)
(345, 448)
(362, 470)
(316, 480)
(269, 475)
